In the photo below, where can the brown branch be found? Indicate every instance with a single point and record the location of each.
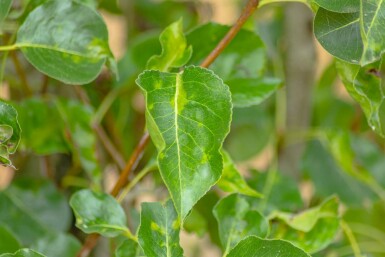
(92, 239)
(246, 13)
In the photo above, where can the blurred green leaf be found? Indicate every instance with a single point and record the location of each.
(311, 230)
(99, 213)
(188, 129)
(237, 220)
(8, 243)
(175, 52)
(9, 133)
(23, 253)
(365, 86)
(159, 230)
(232, 181)
(196, 222)
(254, 246)
(33, 208)
(128, 248)
(65, 40)
(58, 245)
(5, 6)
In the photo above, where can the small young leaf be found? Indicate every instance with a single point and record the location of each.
(23, 253)
(65, 40)
(58, 245)
(128, 248)
(8, 242)
(188, 127)
(254, 246)
(237, 220)
(175, 52)
(98, 213)
(159, 230)
(232, 181)
(5, 6)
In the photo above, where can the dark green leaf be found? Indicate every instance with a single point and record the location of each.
(5, 6)
(23, 253)
(65, 40)
(232, 181)
(188, 128)
(195, 222)
(99, 213)
(313, 229)
(339, 6)
(159, 230)
(175, 52)
(58, 245)
(8, 242)
(237, 220)
(128, 248)
(256, 247)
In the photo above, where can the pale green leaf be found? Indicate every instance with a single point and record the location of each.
(65, 40)
(175, 52)
(237, 220)
(188, 126)
(8, 243)
(257, 247)
(99, 213)
(311, 230)
(6, 132)
(159, 230)
(23, 253)
(57, 245)
(5, 6)
(232, 181)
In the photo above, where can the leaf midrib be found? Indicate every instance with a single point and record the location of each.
(178, 84)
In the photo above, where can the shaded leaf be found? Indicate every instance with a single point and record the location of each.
(237, 220)
(8, 242)
(175, 52)
(188, 128)
(58, 245)
(254, 246)
(5, 6)
(98, 213)
(232, 181)
(128, 248)
(313, 229)
(159, 230)
(347, 6)
(23, 253)
(65, 40)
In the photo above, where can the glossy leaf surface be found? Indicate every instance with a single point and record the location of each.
(232, 181)
(98, 213)
(159, 230)
(188, 128)
(175, 52)
(256, 247)
(65, 40)
(237, 220)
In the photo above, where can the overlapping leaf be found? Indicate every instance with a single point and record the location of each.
(159, 230)
(65, 40)
(188, 126)
(128, 248)
(254, 246)
(23, 253)
(237, 220)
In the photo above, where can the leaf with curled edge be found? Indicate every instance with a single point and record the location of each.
(188, 117)
(67, 41)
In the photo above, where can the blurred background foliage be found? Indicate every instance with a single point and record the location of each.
(62, 147)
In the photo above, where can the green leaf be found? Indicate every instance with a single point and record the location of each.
(365, 86)
(9, 132)
(65, 40)
(311, 230)
(188, 128)
(58, 245)
(159, 230)
(237, 220)
(355, 37)
(8, 242)
(232, 181)
(339, 6)
(254, 246)
(98, 213)
(247, 92)
(5, 6)
(23, 253)
(175, 52)
(32, 208)
(129, 248)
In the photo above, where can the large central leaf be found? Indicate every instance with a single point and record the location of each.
(188, 117)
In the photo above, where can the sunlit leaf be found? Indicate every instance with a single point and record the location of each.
(237, 220)
(159, 230)
(65, 40)
(98, 213)
(188, 127)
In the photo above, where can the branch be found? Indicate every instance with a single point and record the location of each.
(251, 6)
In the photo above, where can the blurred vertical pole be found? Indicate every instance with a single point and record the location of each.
(300, 66)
